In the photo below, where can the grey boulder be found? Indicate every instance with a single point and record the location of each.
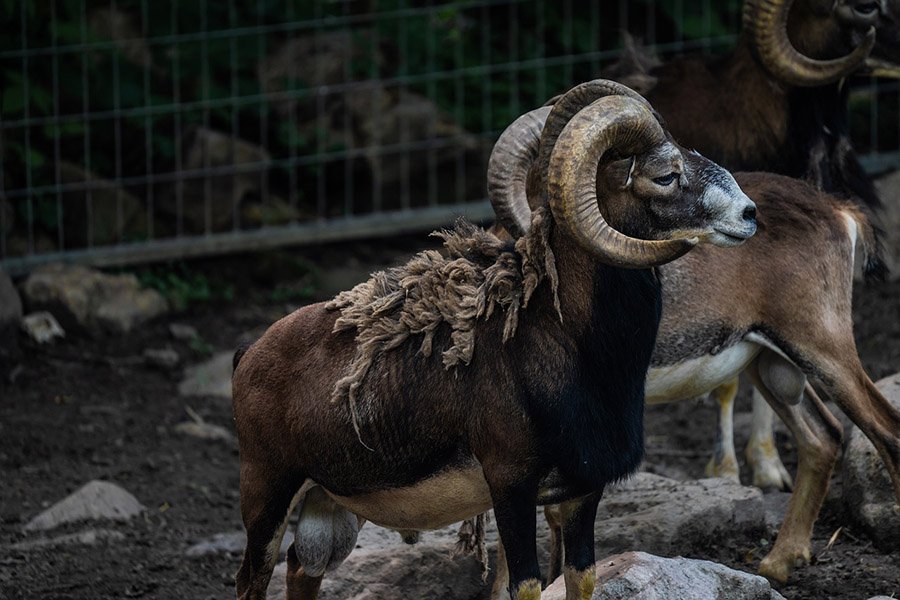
(642, 576)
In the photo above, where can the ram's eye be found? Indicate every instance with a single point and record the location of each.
(868, 9)
(666, 180)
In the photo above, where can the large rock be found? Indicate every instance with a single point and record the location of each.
(209, 378)
(662, 515)
(367, 117)
(888, 188)
(86, 299)
(93, 501)
(638, 575)
(208, 202)
(868, 494)
(10, 316)
(382, 566)
(115, 214)
(120, 26)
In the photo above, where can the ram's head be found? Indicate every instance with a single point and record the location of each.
(615, 179)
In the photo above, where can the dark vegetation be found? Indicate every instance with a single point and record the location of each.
(153, 76)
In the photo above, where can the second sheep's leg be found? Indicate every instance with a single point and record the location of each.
(761, 452)
(818, 437)
(723, 462)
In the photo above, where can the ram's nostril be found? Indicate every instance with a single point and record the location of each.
(750, 213)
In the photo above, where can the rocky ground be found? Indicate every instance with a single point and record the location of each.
(147, 411)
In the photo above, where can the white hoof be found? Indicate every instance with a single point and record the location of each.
(768, 470)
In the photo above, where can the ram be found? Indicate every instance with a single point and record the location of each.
(347, 404)
(778, 307)
(778, 102)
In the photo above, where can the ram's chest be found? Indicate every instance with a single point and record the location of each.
(445, 498)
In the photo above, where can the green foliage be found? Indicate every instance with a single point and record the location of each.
(201, 347)
(183, 287)
(479, 62)
(292, 292)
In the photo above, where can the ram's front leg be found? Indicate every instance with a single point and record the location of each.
(514, 509)
(578, 518)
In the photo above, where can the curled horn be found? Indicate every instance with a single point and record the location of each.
(627, 125)
(766, 23)
(507, 175)
(567, 105)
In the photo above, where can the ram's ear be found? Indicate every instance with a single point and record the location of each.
(620, 172)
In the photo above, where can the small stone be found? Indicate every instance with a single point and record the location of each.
(93, 501)
(90, 537)
(42, 327)
(162, 358)
(204, 431)
(209, 378)
(640, 575)
(182, 333)
(231, 542)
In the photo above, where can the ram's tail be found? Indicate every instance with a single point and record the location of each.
(874, 268)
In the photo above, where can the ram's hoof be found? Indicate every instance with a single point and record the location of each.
(580, 584)
(727, 468)
(778, 566)
(768, 470)
(529, 590)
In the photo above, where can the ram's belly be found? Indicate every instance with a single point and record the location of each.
(439, 501)
(698, 375)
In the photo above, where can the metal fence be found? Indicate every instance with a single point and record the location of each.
(134, 131)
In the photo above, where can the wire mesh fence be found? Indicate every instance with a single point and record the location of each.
(133, 130)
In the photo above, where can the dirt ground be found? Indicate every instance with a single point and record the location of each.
(88, 409)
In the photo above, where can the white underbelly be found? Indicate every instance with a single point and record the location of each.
(439, 501)
(698, 375)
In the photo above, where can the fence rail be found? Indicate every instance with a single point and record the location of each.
(135, 131)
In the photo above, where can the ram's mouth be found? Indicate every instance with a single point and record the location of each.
(730, 238)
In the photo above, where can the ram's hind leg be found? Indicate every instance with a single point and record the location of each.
(553, 514)
(267, 498)
(300, 586)
(852, 390)
(724, 460)
(761, 452)
(500, 589)
(818, 437)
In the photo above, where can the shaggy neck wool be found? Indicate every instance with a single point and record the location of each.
(479, 275)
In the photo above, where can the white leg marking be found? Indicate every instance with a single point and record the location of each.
(724, 460)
